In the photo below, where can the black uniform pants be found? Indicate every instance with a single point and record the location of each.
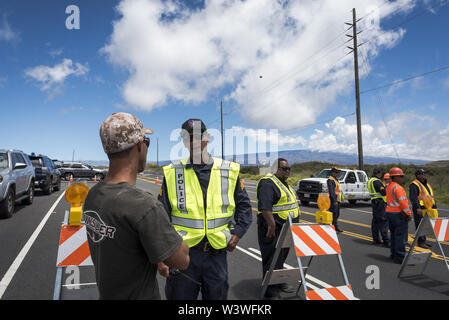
(417, 219)
(335, 209)
(379, 223)
(268, 248)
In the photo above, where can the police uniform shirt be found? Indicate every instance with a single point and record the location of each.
(331, 187)
(379, 187)
(268, 194)
(243, 211)
(414, 194)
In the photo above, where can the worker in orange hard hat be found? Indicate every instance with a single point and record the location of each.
(398, 214)
(387, 179)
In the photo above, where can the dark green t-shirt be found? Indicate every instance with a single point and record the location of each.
(128, 233)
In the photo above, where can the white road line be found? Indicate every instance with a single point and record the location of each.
(357, 210)
(308, 276)
(18, 261)
(79, 284)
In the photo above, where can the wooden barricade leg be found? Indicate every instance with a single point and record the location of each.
(279, 245)
(415, 258)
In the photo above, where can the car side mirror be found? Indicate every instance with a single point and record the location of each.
(20, 165)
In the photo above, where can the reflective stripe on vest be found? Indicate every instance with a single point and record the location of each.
(395, 205)
(423, 192)
(191, 217)
(287, 204)
(338, 191)
(372, 191)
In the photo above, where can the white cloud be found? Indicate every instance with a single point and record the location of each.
(51, 79)
(233, 42)
(6, 32)
(404, 135)
(271, 137)
(3, 81)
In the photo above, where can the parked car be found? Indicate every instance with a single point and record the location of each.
(48, 177)
(353, 184)
(80, 170)
(16, 181)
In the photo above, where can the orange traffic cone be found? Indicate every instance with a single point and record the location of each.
(157, 180)
(243, 184)
(95, 178)
(71, 178)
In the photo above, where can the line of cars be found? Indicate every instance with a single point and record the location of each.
(21, 173)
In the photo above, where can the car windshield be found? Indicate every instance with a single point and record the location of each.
(327, 172)
(3, 160)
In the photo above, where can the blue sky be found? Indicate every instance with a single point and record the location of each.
(169, 61)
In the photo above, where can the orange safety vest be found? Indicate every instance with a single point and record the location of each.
(338, 192)
(423, 192)
(397, 199)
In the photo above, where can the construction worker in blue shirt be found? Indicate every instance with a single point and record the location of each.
(379, 223)
(201, 195)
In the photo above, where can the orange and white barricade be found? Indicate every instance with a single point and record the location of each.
(73, 250)
(308, 240)
(438, 229)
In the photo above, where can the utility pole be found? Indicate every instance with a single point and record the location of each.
(73, 155)
(357, 88)
(222, 137)
(157, 151)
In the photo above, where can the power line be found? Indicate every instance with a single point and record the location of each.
(380, 104)
(407, 79)
(441, 3)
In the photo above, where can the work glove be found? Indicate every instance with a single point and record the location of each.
(405, 216)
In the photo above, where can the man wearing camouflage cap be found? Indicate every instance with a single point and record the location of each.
(139, 234)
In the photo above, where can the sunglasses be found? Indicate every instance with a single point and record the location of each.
(146, 140)
(285, 168)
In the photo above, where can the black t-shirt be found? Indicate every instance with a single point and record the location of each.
(128, 234)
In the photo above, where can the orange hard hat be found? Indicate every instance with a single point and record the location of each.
(396, 172)
(386, 176)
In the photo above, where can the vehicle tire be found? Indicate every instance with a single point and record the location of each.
(352, 202)
(49, 189)
(7, 205)
(304, 203)
(29, 200)
(58, 185)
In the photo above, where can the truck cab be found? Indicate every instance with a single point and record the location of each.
(353, 184)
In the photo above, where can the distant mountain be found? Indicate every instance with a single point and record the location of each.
(298, 156)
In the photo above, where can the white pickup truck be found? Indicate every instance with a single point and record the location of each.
(353, 184)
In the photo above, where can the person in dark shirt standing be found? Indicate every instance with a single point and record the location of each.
(128, 230)
(204, 193)
(420, 188)
(336, 196)
(276, 201)
(379, 223)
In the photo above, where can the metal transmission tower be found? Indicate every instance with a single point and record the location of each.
(357, 88)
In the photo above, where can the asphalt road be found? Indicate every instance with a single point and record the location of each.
(29, 244)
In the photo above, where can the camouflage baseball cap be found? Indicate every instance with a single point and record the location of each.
(120, 131)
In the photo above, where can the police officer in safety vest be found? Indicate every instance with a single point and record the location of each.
(276, 201)
(336, 196)
(203, 195)
(379, 223)
(419, 189)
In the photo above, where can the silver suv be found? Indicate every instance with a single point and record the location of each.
(16, 180)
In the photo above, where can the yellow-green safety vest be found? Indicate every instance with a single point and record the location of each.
(189, 217)
(287, 204)
(372, 191)
(423, 192)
